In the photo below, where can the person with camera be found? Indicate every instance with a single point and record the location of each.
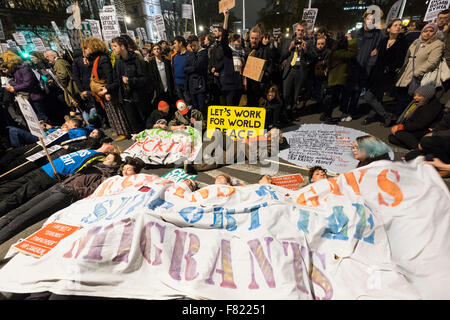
(295, 59)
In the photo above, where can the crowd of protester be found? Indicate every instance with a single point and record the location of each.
(169, 86)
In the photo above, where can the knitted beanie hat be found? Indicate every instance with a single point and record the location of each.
(182, 107)
(426, 91)
(163, 106)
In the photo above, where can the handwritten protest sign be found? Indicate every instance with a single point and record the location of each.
(348, 237)
(158, 146)
(30, 117)
(310, 15)
(38, 44)
(225, 5)
(186, 11)
(237, 122)
(52, 137)
(292, 182)
(322, 145)
(434, 7)
(42, 153)
(45, 239)
(177, 175)
(254, 68)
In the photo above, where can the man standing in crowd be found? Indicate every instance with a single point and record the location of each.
(295, 58)
(442, 21)
(178, 63)
(129, 83)
(63, 71)
(196, 72)
(255, 89)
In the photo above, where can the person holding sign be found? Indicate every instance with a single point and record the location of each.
(227, 64)
(24, 81)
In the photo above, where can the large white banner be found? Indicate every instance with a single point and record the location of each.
(328, 146)
(158, 146)
(379, 232)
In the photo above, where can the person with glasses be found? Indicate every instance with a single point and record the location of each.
(368, 149)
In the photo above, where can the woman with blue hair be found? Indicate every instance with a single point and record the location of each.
(368, 149)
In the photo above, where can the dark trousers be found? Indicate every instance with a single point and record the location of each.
(133, 117)
(40, 207)
(438, 146)
(332, 99)
(17, 192)
(183, 93)
(405, 139)
(403, 99)
(232, 97)
(198, 102)
(254, 92)
(374, 98)
(293, 84)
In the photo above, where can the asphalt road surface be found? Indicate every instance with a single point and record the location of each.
(246, 173)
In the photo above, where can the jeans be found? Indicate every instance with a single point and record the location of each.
(183, 93)
(91, 113)
(375, 103)
(19, 137)
(38, 109)
(198, 102)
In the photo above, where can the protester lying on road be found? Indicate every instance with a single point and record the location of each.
(75, 187)
(317, 173)
(16, 192)
(368, 149)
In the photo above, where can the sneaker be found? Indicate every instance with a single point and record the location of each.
(347, 119)
(120, 138)
(343, 116)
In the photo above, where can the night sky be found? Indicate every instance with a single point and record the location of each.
(251, 9)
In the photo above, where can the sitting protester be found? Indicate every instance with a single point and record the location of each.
(75, 187)
(162, 113)
(186, 116)
(16, 192)
(317, 173)
(435, 142)
(414, 122)
(368, 149)
(273, 105)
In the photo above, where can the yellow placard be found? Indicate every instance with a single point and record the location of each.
(237, 122)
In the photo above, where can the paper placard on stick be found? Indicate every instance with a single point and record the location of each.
(225, 5)
(237, 122)
(45, 239)
(5, 47)
(52, 137)
(12, 45)
(292, 182)
(95, 28)
(434, 7)
(254, 68)
(39, 45)
(394, 11)
(2, 33)
(110, 24)
(310, 15)
(30, 117)
(159, 20)
(42, 153)
(20, 38)
(186, 11)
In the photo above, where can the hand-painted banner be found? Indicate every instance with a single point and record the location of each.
(379, 232)
(178, 175)
(322, 145)
(158, 146)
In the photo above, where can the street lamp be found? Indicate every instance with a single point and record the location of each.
(127, 19)
(201, 28)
